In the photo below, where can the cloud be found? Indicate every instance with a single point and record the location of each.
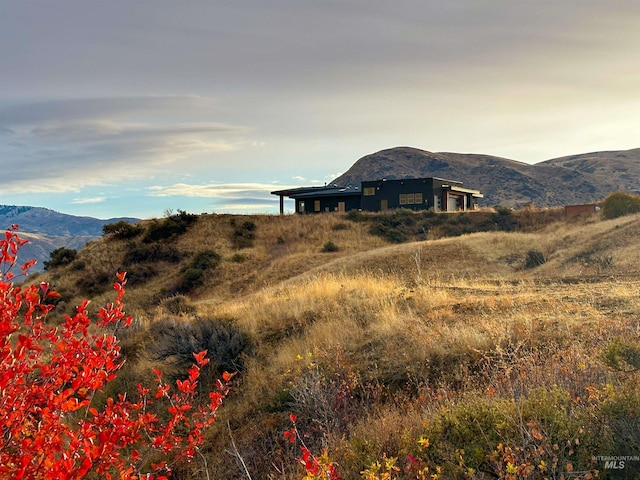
(64, 145)
(83, 201)
(216, 190)
(239, 198)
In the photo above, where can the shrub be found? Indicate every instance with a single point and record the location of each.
(121, 230)
(170, 227)
(193, 275)
(534, 259)
(190, 278)
(51, 428)
(176, 338)
(620, 203)
(205, 260)
(238, 258)
(60, 257)
(504, 219)
(463, 435)
(178, 305)
(340, 226)
(330, 247)
(94, 282)
(390, 234)
(354, 216)
(244, 234)
(151, 253)
(623, 356)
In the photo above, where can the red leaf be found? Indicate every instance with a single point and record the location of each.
(200, 360)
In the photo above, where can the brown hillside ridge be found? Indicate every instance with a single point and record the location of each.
(454, 348)
(568, 180)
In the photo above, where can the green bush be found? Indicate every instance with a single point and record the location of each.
(244, 234)
(534, 259)
(354, 216)
(463, 435)
(60, 257)
(623, 356)
(544, 427)
(330, 247)
(155, 252)
(619, 204)
(504, 219)
(169, 227)
(121, 230)
(621, 413)
(239, 258)
(193, 275)
(94, 282)
(391, 234)
(205, 260)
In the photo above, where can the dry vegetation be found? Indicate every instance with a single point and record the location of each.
(377, 347)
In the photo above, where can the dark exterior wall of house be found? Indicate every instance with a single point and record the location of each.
(327, 204)
(379, 195)
(402, 193)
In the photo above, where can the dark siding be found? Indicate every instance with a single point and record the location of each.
(391, 190)
(328, 204)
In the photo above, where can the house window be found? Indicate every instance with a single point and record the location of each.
(368, 191)
(418, 198)
(410, 198)
(316, 205)
(403, 199)
(301, 207)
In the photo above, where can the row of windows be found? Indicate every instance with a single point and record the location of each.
(410, 198)
(405, 198)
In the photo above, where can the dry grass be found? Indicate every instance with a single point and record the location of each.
(375, 345)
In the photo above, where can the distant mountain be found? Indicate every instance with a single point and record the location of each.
(47, 230)
(561, 181)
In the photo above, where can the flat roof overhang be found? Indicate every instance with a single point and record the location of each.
(302, 193)
(475, 193)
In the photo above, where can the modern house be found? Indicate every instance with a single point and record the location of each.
(380, 195)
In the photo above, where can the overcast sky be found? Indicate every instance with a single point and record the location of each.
(137, 107)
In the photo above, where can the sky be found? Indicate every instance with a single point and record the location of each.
(139, 108)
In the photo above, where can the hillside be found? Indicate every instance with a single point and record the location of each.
(378, 346)
(568, 180)
(47, 229)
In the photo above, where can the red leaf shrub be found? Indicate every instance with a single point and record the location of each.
(48, 377)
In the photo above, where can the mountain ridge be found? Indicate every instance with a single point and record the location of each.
(581, 178)
(48, 230)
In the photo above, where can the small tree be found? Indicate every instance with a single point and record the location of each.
(121, 230)
(620, 203)
(50, 374)
(59, 257)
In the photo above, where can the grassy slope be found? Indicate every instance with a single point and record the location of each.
(376, 345)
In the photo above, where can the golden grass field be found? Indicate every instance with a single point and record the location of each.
(376, 348)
